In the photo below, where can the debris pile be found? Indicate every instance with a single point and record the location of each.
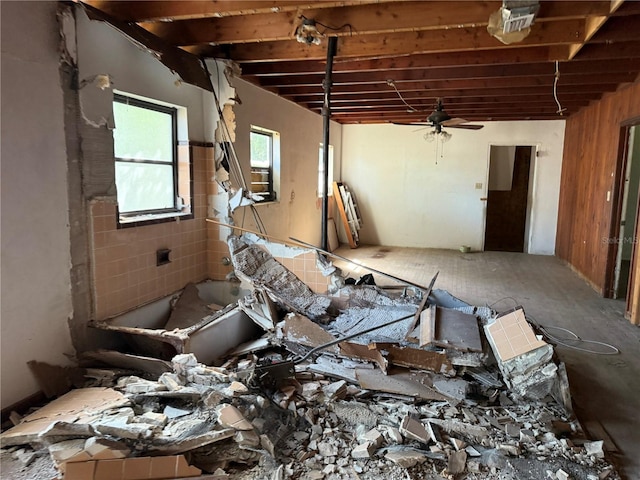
(362, 382)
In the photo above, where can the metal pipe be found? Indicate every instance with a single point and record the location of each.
(326, 116)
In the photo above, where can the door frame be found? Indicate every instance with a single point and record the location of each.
(616, 212)
(533, 180)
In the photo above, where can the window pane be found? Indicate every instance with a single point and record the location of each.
(142, 134)
(260, 150)
(144, 186)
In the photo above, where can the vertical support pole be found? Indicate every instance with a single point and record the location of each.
(326, 116)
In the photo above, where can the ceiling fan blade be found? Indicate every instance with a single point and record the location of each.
(428, 124)
(467, 126)
(453, 121)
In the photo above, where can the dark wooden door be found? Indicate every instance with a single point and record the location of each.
(507, 209)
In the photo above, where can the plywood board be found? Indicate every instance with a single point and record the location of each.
(364, 352)
(455, 329)
(417, 358)
(448, 328)
(427, 326)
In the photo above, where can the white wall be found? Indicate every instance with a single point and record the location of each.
(409, 197)
(298, 212)
(104, 50)
(36, 290)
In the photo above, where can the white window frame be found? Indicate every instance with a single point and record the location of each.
(273, 170)
(182, 205)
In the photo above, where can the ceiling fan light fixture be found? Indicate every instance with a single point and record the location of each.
(441, 136)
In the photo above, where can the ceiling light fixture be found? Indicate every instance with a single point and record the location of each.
(441, 135)
(307, 32)
(512, 22)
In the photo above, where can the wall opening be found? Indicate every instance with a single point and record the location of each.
(508, 211)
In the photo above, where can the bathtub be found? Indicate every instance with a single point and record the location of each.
(209, 339)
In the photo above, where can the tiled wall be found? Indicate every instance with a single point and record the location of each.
(305, 268)
(124, 260)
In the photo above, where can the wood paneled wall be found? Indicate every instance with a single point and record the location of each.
(589, 172)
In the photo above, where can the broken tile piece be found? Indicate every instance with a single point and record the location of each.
(335, 390)
(451, 387)
(374, 436)
(406, 458)
(457, 462)
(153, 418)
(230, 416)
(236, 389)
(247, 438)
(594, 448)
(364, 450)
(172, 412)
(412, 428)
(457, 443)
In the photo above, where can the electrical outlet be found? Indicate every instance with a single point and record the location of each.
(478, 186)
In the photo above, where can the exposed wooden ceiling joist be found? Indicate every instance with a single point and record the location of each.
(428, 49)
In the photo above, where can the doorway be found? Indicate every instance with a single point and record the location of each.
(629, 213)
(507, 199)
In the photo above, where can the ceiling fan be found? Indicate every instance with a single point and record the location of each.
(440, 118)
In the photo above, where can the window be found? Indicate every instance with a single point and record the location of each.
(265, 163)
(146, 160)
(321, 172)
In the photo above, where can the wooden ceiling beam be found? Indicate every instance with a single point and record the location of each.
(474, 118)
(458, 111)
(588, 91)
(430, 98)
(396, 44)
(429, 103)
(619, 29)
(433, 60)
(539, 73)
(509, 56)
(162, 10)
(363, 20)
(375, 89)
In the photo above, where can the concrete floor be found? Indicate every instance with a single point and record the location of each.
(605, 388)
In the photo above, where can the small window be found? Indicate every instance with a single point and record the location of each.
(321, 172)
(146, 159)
(265, 162)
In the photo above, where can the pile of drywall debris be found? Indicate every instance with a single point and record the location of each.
(359, 383)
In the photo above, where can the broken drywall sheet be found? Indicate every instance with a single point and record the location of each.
(96, 101)
(257, 266)
(412, 384)
(259, 307)
(299, 330)
(77, 406)
(136, 363)
(68, 45)
(357, 319)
